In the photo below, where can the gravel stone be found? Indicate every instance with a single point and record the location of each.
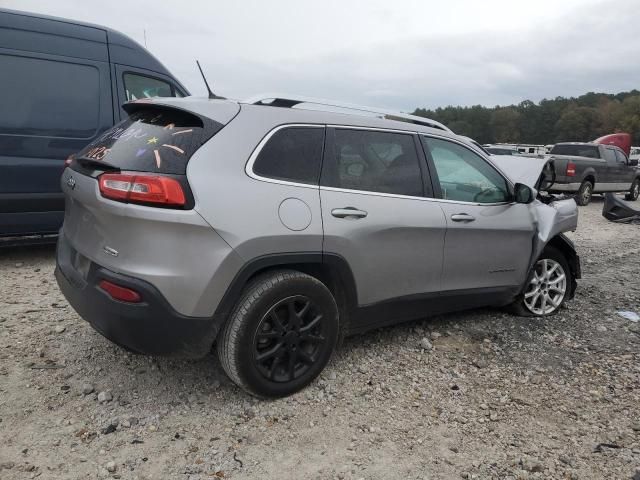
(425, 344)
(105, 397)
(87, 388)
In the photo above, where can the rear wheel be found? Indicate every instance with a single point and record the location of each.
(548, 287)
(585, 192)
(280, 335)
(634, 192)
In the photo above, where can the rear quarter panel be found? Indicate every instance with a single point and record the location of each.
(243, 210)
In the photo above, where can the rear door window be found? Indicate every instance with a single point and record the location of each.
(374, 161)
(152, 139)
(292, 154)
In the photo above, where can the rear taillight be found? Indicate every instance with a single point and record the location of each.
(571, 169)
(118, 292)
(146, 189)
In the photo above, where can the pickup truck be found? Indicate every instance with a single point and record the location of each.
(588, 168)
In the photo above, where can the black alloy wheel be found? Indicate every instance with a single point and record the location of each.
(288, 339)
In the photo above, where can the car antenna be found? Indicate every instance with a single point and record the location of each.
(212, 95)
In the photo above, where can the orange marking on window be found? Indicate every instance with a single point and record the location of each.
(173, 147)
(182, 131)
(158, 159)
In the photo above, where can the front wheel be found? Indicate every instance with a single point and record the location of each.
(634, 192)
(548, 286)
(280, 335)
(585, 192)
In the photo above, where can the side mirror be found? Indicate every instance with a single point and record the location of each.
(522, 193)
(633, 163)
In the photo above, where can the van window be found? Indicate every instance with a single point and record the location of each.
(374, 161)
(141, 86)
(48, 98)
(292, 154)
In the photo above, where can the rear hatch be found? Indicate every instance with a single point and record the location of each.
(155, 138)
(128, 203)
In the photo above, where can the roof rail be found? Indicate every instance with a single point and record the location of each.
(287, 101)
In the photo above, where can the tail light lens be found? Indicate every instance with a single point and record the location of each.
(120, 293)
(571, 169)
(145, 189)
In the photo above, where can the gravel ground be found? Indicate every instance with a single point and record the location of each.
(491, 395)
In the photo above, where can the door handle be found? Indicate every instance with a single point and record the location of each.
(348, 212)
(462, 217)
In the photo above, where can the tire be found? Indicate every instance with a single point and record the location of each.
(527, 305)
(634, 191)
(271, 352)
(585, 192)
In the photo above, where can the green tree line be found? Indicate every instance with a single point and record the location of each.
(580, 119)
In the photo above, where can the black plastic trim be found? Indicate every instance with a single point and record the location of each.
(414, 307)
(336, 263)
(357, 318)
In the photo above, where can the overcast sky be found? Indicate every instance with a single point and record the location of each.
(399, 54)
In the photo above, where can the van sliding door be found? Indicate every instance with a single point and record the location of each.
(52, 106)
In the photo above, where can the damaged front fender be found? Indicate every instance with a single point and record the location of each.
(550, 222)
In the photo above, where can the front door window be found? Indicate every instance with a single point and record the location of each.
(464, 176)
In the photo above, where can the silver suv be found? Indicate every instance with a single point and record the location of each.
(273, 227)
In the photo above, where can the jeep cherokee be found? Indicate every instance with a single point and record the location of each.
(273, 227)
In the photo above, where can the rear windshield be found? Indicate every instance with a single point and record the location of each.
(589, 151)
(152, 139)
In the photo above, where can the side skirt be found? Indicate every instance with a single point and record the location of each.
(414, 307)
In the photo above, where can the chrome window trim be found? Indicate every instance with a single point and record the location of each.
(248, 169)
(256, 151)
(409, 197)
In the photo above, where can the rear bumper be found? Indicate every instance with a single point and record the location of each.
(151, 327)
